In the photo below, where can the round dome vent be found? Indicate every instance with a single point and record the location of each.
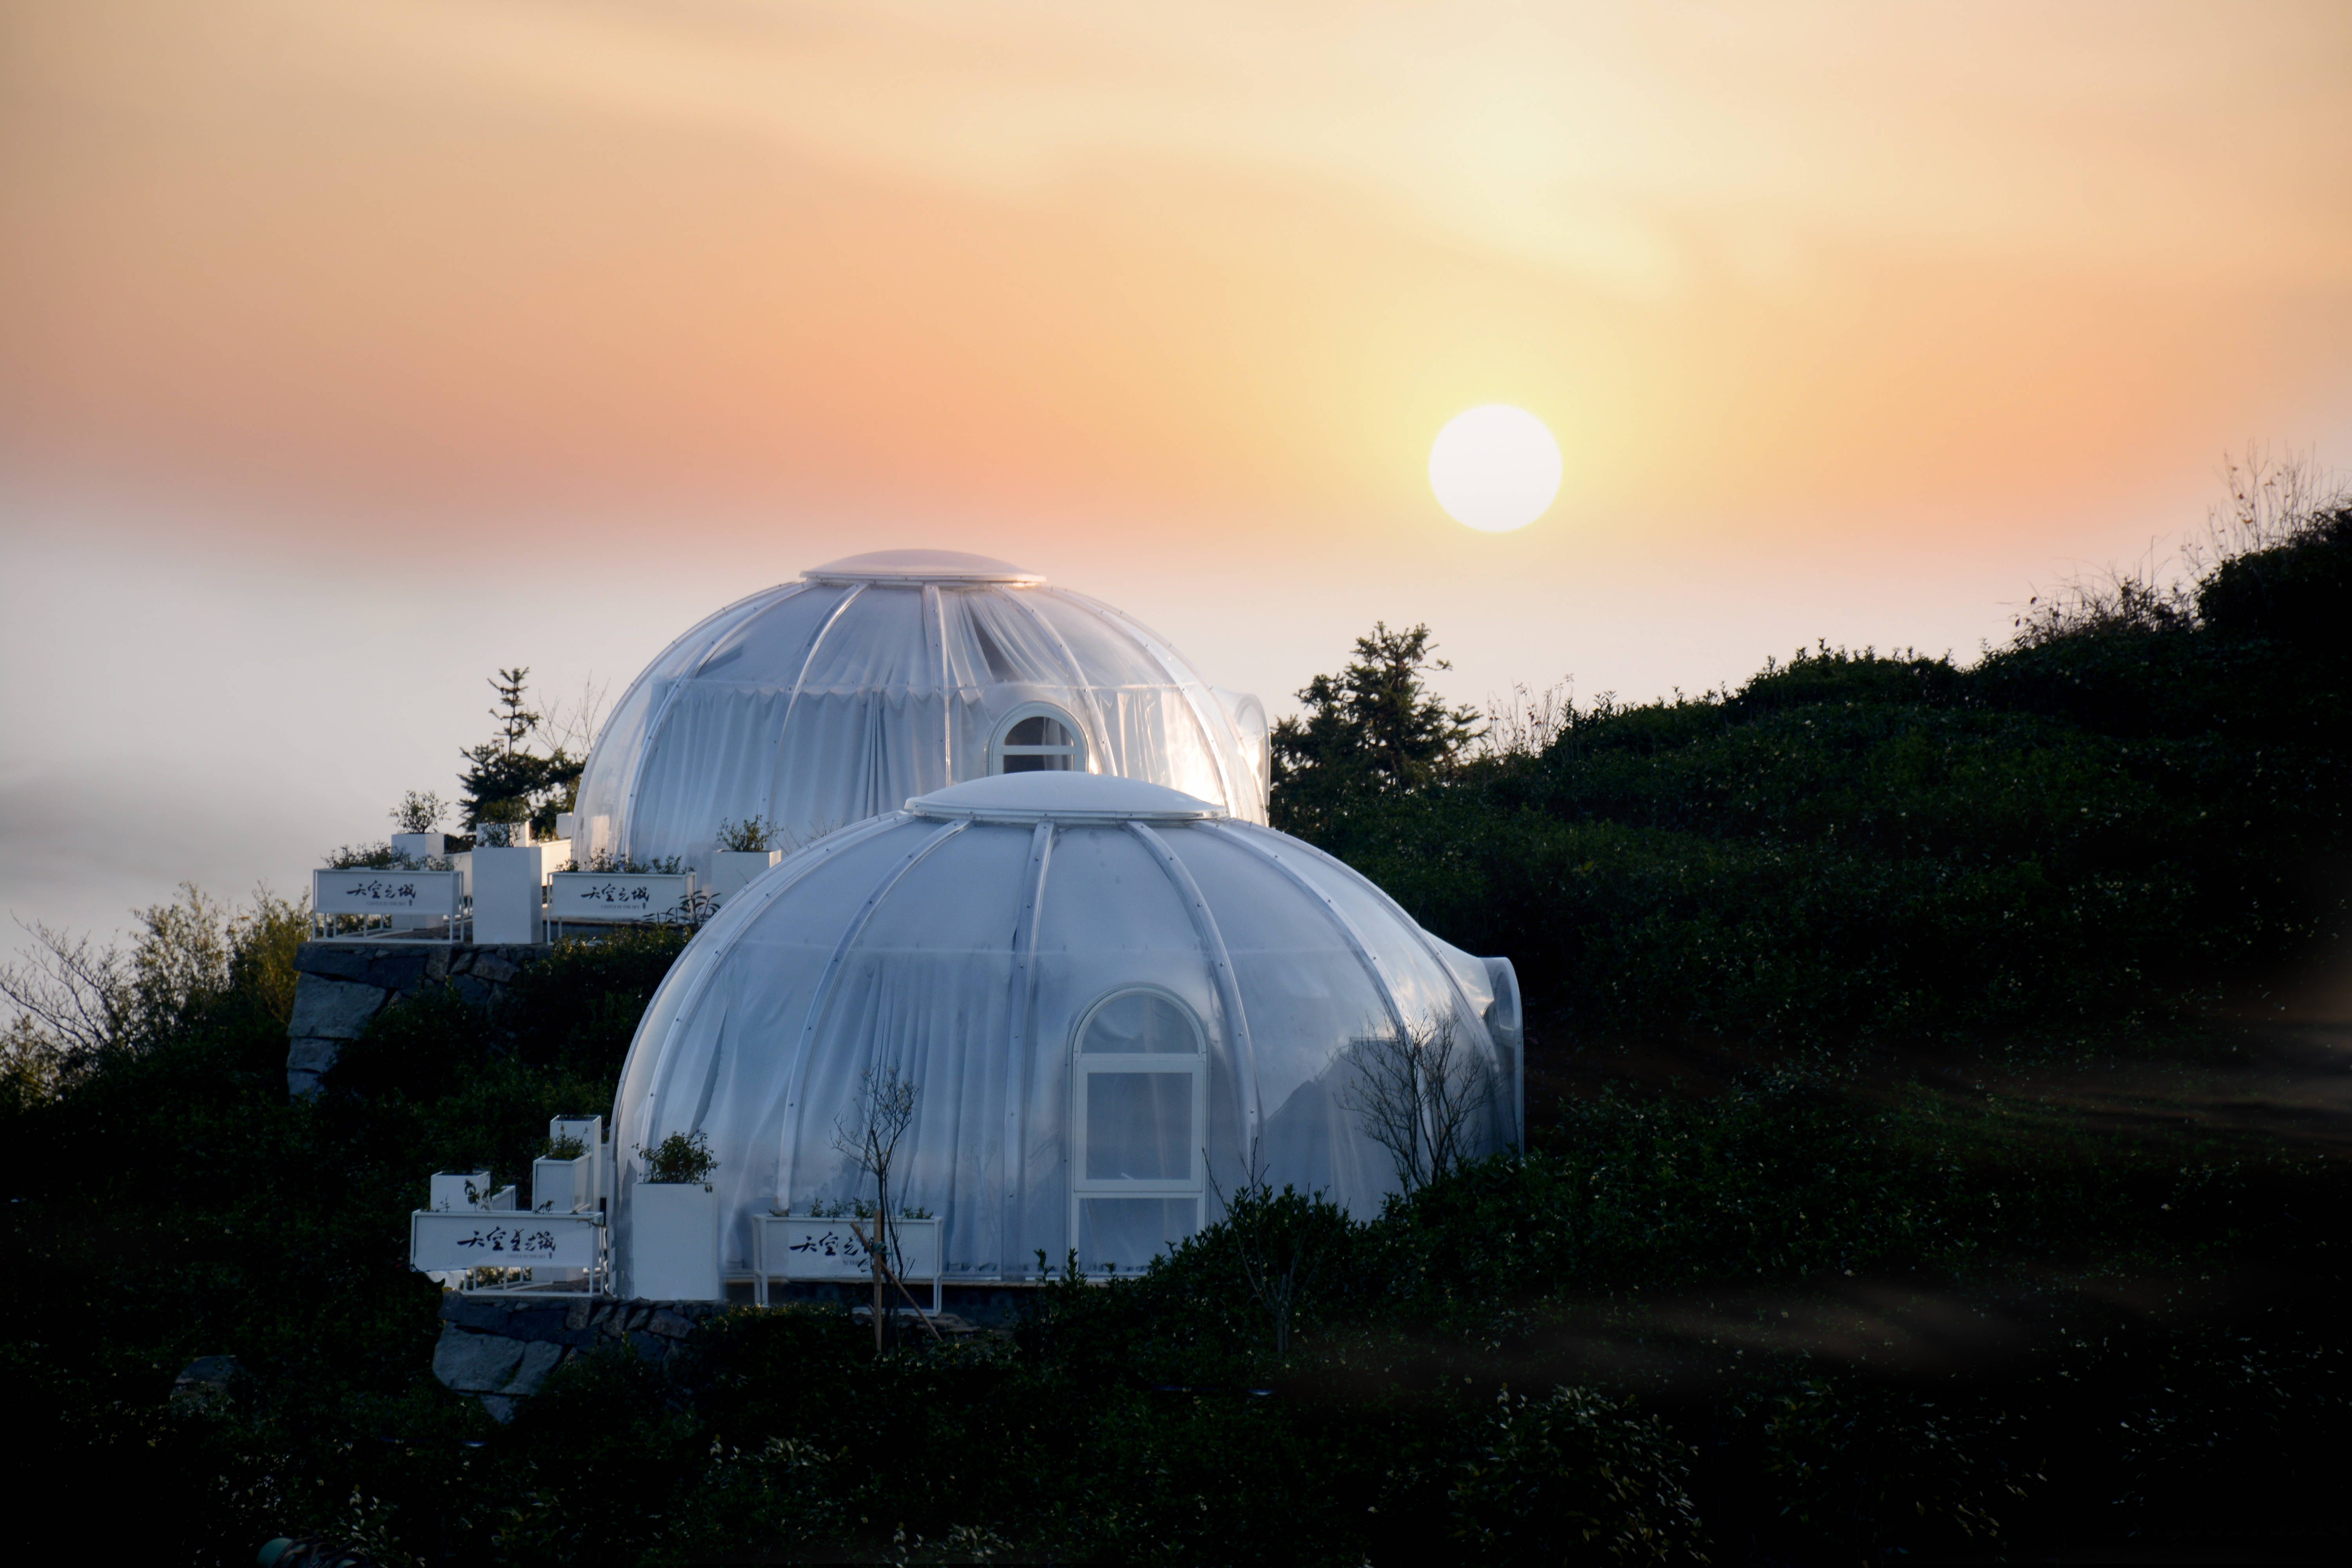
(1062, 797)
(918, 566)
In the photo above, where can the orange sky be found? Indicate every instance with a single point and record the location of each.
(1852, 321)
(1218, 259)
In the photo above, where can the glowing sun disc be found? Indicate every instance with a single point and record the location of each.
(1494, 468)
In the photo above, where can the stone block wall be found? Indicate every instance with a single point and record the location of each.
(503, 1350)
(343, 984)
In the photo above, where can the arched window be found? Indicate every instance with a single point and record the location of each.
(1138, 1121)
(1037, 738)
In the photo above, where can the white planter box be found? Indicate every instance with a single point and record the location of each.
(564, 1186)
(440, 1241)
(363, 891)
(417, 846)
(730, 869)
(458, 1190)
(611, 896)
(789, 1247)
(590, 1131)
(509, 891)
(674, 1242)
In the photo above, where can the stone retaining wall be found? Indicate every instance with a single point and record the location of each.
(343, 984)
(503, 1350)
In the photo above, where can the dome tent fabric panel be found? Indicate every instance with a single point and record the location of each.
(609, 778)
(821, 703)
(966, 942)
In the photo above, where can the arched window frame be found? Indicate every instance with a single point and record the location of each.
(1087, 1021)
(1084, 1065)
(1062, 716)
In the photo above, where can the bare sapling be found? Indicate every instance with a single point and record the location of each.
(870, 1137)
(1420, 1089)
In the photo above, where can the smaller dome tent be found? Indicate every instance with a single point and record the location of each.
(1113, 999)
(819, 703)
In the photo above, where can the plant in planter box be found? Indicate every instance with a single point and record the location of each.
(674, 1240)
(562, 1180)
(418, 813)
(604, 863)
(753, 835)
(503, 826)
(380, 857)
(851, 1208)
(680, 1159)
(746, 851)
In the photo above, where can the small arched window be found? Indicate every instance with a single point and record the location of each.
(1037, 738)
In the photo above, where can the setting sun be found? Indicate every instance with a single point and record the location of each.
(1494, 468)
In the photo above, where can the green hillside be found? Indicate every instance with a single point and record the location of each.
(1973, 1228)
(2073, 842)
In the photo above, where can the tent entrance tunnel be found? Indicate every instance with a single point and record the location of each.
(1115, 1002)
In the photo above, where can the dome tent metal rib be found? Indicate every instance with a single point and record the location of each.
(817, 704)
(1111, 996)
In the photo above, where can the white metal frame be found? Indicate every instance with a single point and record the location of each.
(520, 1242)
(453, 906)
(774, 1253)
(999, 748)
(1084, 1065)
(560, 914)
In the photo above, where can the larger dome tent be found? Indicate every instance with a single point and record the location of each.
(817, 704)
(1116, 1001)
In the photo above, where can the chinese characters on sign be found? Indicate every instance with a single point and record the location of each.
(498, 1239)
(831, 1244)
(617, 893)
(450, 1239)
(362, 890)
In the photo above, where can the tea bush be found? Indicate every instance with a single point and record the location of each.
(1577, 1477)
(2076, 838)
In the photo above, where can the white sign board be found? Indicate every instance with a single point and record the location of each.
(365, 891)
(480, 1241)
(615, 896)
(792, 1247)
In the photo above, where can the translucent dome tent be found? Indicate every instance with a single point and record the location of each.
(820, 703)
(1112, 998)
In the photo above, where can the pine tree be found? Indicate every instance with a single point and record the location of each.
(1374, 727)
(504, 779)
